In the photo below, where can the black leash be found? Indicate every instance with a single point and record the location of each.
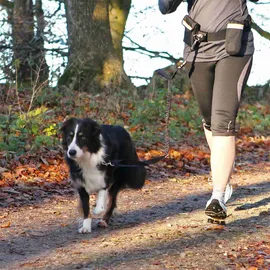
(133, 163)
(137, 163)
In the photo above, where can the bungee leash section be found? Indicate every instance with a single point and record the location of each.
(133, 163)
(169, 79)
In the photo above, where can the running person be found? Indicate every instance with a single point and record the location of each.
(218, 51)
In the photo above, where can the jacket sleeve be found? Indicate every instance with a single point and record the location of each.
(168, 6)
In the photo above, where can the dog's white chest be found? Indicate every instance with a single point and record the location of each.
(94, 179)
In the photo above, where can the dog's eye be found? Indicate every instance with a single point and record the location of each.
(81, 136)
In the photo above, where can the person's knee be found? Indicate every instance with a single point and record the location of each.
(223, 127)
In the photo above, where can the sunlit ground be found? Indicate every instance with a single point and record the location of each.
(163, 225)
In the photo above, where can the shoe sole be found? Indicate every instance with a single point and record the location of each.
(216, 218)
(216, 221)
(215, 213)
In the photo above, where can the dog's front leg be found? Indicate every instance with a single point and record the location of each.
(110, 206)
(101, 201)
(84, 197)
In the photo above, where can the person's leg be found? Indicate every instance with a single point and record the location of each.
(201, 76)
(208, 136)
(227, 79)
(222, 159)
(229, 188)
(202, 80)
(231, 75)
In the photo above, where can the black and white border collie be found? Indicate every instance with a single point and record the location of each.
(90, 148)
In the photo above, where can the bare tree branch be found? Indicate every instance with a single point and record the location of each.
(152, 54)
(260, 31)
(61, 51)
(140, 77)
(6, 4)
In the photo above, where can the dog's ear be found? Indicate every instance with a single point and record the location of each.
(63, 128)
(67, 123)
(92, 126)
(96, 129)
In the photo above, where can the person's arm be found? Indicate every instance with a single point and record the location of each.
(168, 6)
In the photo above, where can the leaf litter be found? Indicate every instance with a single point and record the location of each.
(39, 181)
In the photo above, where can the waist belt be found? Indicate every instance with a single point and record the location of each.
(193, 35)
(220, 35)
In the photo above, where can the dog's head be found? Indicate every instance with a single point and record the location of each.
(80, 136)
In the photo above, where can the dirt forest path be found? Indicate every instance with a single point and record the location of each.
(162, 226)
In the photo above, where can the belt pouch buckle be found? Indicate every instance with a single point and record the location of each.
(234, 34)
(191, 28)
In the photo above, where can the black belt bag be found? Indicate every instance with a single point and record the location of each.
(232, 34)
(192, 30)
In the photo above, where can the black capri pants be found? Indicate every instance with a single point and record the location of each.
(218, 87)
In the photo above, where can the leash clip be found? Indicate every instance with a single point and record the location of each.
(107, 163)
(198, 38)
(181, 64)
(195, 43)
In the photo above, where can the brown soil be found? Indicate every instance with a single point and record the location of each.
(162, 226)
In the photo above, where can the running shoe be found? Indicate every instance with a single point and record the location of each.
(216, 211)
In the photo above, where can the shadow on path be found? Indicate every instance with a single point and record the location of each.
(63, 236)
(172, 248)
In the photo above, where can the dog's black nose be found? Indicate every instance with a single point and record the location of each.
(72, 152)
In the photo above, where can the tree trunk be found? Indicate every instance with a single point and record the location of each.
(29, 55)
(23, 33)
(95, 32)
(41, 64)
(6, 4)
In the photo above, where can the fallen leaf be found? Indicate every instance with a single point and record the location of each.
(6, 225)
(180, 164)
(213, 227)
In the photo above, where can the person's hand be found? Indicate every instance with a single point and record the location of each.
(168, 6)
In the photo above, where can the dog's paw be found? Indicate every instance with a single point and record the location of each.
(86, 226)
(98, 210)
(84, 230)
(102, 224)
